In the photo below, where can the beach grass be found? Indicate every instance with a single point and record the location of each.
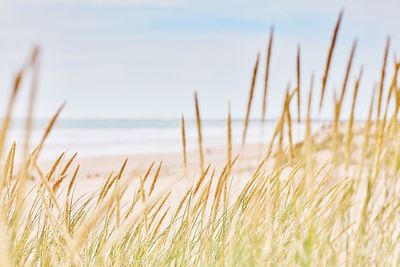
(330, 200)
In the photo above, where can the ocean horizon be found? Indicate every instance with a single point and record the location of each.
(105, 137)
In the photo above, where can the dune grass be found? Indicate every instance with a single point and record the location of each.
(319, 202)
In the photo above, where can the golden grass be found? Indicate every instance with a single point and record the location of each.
(329, 59)
(199, 132)
(298, 87)
(267, 70)
(383, 75)
(347, 75)
(330, 201)
(183, 135)
(229, 135)
(250, 100)
(351, 119)
(34, 65)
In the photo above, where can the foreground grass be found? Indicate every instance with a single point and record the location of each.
(317, 203)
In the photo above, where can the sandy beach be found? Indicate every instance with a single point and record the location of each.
(94, 170)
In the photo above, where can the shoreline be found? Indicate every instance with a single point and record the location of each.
(172, 162)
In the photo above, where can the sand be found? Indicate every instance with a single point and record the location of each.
(173, 179)
(94, 170)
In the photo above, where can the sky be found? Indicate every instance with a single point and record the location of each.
(146, 58)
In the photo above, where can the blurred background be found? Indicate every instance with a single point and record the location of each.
(145, 58)
(138, 60)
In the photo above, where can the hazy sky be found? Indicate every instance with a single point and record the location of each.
(140, 58)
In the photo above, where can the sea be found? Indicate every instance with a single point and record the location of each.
(105, 137)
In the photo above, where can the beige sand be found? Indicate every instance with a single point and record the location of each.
(94, 170)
